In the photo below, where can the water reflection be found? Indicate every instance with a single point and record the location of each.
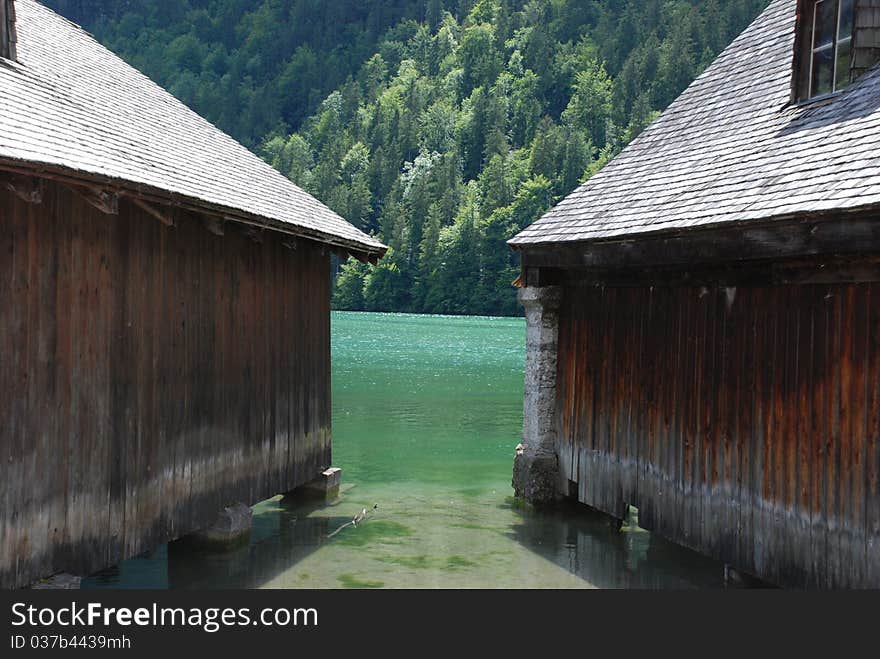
(593, 547)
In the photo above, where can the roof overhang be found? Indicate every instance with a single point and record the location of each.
(855, 232)
(156, 197)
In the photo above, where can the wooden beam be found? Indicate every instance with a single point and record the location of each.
(214, 225)
(26, 188)
(816, 270)
(163, 216)
(163, 197)
(835, 272)
(253, 233)
(106, 202)
(785, 239)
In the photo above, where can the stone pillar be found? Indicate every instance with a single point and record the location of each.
(536, 467)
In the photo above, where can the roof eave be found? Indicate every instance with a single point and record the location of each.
(368, 252)
(843, 230)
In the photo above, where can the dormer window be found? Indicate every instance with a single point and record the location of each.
(825, 46)
(831, 46)
(7, 29)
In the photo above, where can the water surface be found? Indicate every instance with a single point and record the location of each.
(427, 411)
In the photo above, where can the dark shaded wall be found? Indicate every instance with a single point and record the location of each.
(742, 422)
(148, 377)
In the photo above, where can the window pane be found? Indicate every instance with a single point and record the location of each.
(846, 19)
(843, 63)
(823, 72)
(826, 23)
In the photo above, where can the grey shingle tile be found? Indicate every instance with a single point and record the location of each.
(731, 149)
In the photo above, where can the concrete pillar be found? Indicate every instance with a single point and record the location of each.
(536, 467)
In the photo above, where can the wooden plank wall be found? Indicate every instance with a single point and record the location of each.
(866, 37)
(742, 422)
(149, 376)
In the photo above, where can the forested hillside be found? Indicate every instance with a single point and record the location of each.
(442, 126)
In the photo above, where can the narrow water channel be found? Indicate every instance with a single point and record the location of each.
(426, 412)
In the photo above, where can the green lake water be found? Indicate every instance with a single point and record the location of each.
(426, 414)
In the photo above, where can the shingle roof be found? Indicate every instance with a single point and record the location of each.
(732, 149)
(69, 103)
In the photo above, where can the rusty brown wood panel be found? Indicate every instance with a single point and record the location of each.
(714, 512)
(585, 384)
(832, 455)
(604, 459)
(751, 465)
(151, 375)
(818, 444)
(860, 309)
(872, 452)
(737, 304)
(750, 416)
(802, 467)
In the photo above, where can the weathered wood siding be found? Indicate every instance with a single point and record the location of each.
(744, 423)
(866, 37)
(148, 377)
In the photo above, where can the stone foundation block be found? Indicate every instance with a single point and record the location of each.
(326, 485)
(231, 528)
(536, 478)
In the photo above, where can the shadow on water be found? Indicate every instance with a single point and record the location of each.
(284, 533)
(593, 546)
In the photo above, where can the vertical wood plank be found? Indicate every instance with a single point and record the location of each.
(858, 412)
(787, 408)
(733, 445)
(823, 398)
(832, 464)
(702, 394)
(752, 545)
(803, 436)
(741, 426)
(872, 448)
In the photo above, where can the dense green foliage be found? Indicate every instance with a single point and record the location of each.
(442, 127)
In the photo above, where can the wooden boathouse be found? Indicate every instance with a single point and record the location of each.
(704, 314)
(164, 310)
